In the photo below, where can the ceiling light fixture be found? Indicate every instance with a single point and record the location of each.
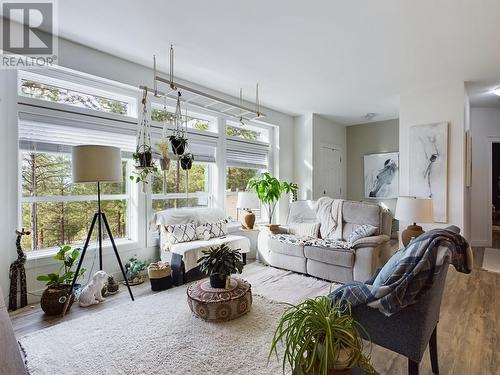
(496, 91)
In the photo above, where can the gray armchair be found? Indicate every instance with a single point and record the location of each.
(410, 330)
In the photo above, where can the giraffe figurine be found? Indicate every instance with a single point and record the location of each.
(16, 272)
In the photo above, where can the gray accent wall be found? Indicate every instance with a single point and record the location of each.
(371, 138)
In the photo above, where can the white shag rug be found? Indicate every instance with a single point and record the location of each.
(158, 334)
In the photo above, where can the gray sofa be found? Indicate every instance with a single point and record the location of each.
(357, 261)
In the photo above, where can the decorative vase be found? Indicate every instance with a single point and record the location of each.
(178, 145)
(164, 164)
(53, 300)
(247, 219)
(186, 163)
(218, 281)
(144, 159)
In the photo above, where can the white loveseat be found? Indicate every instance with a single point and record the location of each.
(183, 256)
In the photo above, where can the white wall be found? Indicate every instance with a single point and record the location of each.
(88, 60)
(485, 126)
(303, 155)
(311, 131)
(326, 132)
(431, 104)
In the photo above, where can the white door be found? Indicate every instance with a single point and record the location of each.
(330, 166)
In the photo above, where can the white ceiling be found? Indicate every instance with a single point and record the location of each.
(341, 59)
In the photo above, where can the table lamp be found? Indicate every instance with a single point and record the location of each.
(246, 201)
(416, 210)
(96, 164)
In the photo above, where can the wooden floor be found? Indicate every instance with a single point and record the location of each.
(468, 332)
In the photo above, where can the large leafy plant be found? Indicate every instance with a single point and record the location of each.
(317, 336)
(134, 267)
(269, 190)
(220, 260)
(68, 256)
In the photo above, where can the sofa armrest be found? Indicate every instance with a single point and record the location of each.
(372, 241)
(280, 230)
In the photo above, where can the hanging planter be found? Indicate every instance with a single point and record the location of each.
(178, 143)
(186, 161)
(164, 158)
(143, 156)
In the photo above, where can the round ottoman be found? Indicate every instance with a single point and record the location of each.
(219, 305)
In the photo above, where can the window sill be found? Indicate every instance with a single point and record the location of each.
(44, 257)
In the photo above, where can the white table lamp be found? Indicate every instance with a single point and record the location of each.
(414, 210)
(246, 201)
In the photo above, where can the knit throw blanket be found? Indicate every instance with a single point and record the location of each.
(414, 274)
(329, 214)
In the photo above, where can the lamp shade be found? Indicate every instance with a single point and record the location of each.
(415, 210)
(93, 163)
(247, 199)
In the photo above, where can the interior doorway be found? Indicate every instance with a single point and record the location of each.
(495, 195)
(330, 172)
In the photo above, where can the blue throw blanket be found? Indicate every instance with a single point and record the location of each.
(414, 273)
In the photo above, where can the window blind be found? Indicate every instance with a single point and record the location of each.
(246, 154)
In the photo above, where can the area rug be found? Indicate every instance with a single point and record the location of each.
(158, 334)
(491, 260)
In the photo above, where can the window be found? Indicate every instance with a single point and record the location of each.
(58, 211)
(159, 115)
(56, 94)
(166, 193)
(248, 132)
(237, 180)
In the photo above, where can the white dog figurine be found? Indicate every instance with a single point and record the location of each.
(91, 294)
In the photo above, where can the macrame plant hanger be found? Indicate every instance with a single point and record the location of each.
(144, 154)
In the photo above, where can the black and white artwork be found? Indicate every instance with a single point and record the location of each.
(429, 165)
(382, 175)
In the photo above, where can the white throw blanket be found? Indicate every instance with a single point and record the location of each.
(329, 213)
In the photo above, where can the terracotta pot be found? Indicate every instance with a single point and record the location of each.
(339, 372)
(53, 300)
(165, 164)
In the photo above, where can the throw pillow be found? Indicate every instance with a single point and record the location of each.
(181, 233)
(388, 268)
(202, 233)
(217, 228)
(304, 229)
(365, 230)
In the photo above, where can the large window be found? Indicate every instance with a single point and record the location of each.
(160, 115)
(236, 181)
(248, 132)
(169, 187)
(58, 211)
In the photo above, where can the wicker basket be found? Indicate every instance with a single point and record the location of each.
(53, 300)
(160, 276)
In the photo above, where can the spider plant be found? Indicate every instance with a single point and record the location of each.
(319, 338)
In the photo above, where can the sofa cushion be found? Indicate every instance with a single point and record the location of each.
(330, 255)
(362, 231)
(304, 229)
(217, 228)
(287, 244)
(180, 233)
(355, 214)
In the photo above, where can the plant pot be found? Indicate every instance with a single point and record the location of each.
(218, 281)
(144, 159)
(53, 300)
(186, 163)
(178, 145)
(164, 164)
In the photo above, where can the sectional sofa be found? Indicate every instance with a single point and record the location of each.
(339, 261)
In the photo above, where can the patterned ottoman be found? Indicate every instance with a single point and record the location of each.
(218, 305)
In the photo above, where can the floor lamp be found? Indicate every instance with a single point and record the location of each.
(91, 163)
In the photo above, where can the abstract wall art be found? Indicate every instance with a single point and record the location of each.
(382, 175)
(429, 166)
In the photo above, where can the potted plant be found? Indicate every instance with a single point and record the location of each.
(141, 175)
(58, 284)
(178, 143)
(269, 190)
(186, 161)
(219, 263)
(164, 159)
(319, 338)
(133, 269)
(111, 287)
(143, 156)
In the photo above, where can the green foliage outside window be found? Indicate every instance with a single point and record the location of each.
(160, 115)
(242, 133)
(56, 94)
(55, 223)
